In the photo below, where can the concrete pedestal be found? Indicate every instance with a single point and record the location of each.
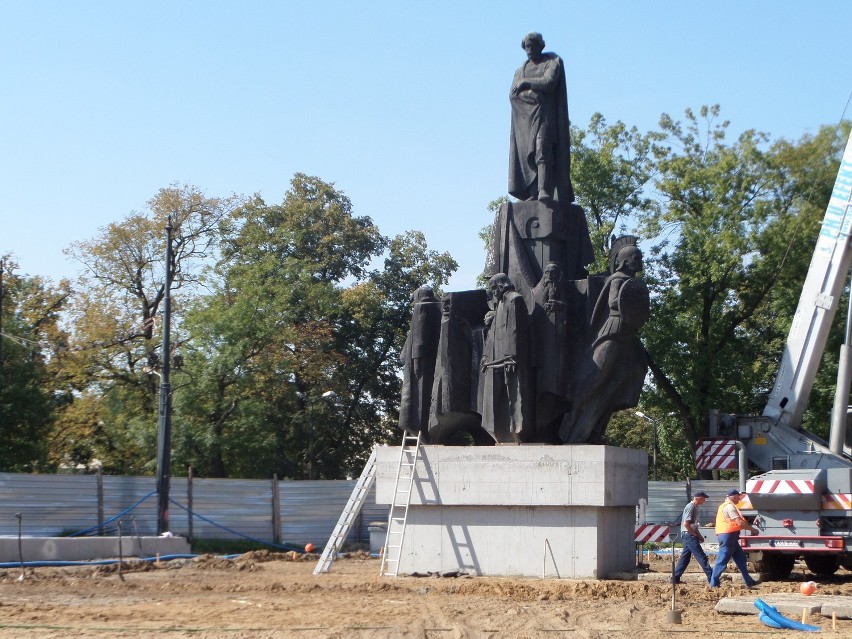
(530, 510)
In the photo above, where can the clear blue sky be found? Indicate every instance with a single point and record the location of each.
(403, 105)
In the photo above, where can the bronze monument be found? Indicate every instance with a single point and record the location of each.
(550, 352)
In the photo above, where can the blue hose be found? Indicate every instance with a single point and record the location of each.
(112, 519)
(769, 621)
(771, 617)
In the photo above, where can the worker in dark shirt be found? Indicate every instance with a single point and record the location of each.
(691, 537)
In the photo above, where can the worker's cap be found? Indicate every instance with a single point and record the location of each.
(701, 493)
(733, 492)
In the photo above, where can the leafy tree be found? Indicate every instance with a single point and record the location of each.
(809, 167)
(30, 341)
(115, 348)
(733, 236)
(293, 355)
(372, 333)
(610, 168)
(672, 461)
(262, 342)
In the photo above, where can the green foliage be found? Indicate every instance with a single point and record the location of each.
(809, 167)
(112, 364)
(292, 360)
(733, 239)
(672, 461)
(290, 318)
(289, 337)
(30, 342)
(610, 168)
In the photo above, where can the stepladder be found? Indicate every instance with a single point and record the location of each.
(406, 473)
(348, 516)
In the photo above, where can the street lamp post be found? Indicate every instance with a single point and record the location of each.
(164, 431)
(327, 395)
(654, 444)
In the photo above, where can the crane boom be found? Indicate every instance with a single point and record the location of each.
(817, 305)
(772, 440)
(802, 503)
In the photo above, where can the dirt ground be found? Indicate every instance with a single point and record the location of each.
(273, 595)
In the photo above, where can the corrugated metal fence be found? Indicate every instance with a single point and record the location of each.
(54, 505)
(666, 499)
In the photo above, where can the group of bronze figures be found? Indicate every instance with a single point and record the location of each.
(548, 353)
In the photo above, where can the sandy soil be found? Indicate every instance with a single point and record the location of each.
(271, 595)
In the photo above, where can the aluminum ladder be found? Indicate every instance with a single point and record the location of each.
(348, 516)
(406, 471)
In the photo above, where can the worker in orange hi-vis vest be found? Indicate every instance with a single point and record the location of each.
(729, 523)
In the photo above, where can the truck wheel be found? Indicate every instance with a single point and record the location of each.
(822, 565)
(774, 567)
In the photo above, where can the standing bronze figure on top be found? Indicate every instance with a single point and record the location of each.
(544, 225)
(540, 143)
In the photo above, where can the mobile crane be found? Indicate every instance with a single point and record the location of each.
(802, 503)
